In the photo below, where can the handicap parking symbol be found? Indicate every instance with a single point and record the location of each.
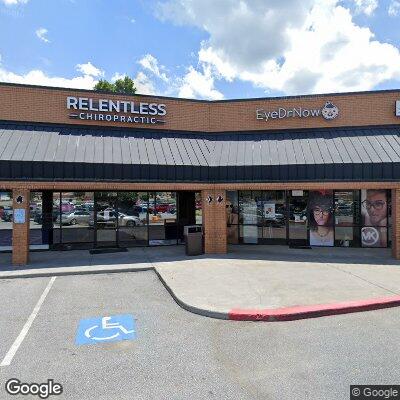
(106, 329)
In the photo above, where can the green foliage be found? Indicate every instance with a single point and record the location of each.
(105, 86)
(124, 85)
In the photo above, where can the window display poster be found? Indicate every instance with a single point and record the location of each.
(269, 210)
(374, 216)
(321, 218)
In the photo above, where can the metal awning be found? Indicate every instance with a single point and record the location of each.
(65, 153)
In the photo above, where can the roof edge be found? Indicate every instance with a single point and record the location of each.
(302, 96)
(204, 133)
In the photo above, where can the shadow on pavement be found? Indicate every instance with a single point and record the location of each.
(148, 255)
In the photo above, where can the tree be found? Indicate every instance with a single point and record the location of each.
(104, 86)
(124, 85)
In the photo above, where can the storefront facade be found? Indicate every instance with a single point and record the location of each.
(83, 169)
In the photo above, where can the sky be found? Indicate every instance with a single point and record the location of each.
(204, 49)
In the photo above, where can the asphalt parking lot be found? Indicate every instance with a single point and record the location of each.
(179, 355)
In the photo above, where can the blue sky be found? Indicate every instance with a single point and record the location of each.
(209, 49)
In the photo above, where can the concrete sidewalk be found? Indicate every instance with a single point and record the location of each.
(256, 278)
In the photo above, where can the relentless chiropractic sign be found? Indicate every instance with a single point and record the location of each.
(131, 112)
(329, 111)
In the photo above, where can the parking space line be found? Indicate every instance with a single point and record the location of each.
(14, 348)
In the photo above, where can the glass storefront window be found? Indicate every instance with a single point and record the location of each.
(6, 220)
(35, 217)
(105, 219)
(298, 218)
(56, 217)
(249, 234)
(247, 208)
(274, 216)
(232, 217)
(199, 208)
(132, 220)
(232, 204)
(125, 219)
(374, 216)
(76, 215)
(347, 236)
(347, 208)
(347, 218)
(163, 229)
(249, 212)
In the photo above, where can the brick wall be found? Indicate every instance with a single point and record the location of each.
(87, 186)
(214, 221)
(396, 223)
(40, 104)
(214, 212)
(20, 236)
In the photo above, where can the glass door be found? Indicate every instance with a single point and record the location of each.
(105, 219)
(298, 218)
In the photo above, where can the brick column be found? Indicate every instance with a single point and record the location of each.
(20, 237)
(214, 221)
(396, 223)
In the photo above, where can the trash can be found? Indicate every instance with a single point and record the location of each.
(193, 240)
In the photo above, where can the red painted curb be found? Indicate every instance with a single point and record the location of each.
(313, 311)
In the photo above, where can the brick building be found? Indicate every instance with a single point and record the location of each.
(83, 169)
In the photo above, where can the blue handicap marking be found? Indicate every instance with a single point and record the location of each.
(106, 329)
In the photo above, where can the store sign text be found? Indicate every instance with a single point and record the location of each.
(116, 110)
(329, 111)
(398, 108)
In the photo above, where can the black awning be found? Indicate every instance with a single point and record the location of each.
(65, 153)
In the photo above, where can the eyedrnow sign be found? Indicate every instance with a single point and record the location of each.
(398, 108)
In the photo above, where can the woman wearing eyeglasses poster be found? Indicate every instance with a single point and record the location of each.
(321, 218)
(374, 218)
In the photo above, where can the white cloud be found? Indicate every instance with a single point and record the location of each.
(143, 84)
(366, 6)
(117, 76)
(394, 8)
(150, 63)
(288, 46)
(14, 2)
(41, 34)
(196, 84)
(89, 69)
(38, 77)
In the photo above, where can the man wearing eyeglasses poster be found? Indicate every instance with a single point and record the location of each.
(374, 218)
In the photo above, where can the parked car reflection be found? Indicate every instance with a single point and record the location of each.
(108, 219)
(7, 214)
(73, 218)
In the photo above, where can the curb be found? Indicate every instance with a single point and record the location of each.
(190, 308)
(47, 274)
(313, 311)
(265, 315)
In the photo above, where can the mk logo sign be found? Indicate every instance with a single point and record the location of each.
(369, 236)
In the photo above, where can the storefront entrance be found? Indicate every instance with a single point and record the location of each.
(105, 219)
(86, 220)
(298, 232)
